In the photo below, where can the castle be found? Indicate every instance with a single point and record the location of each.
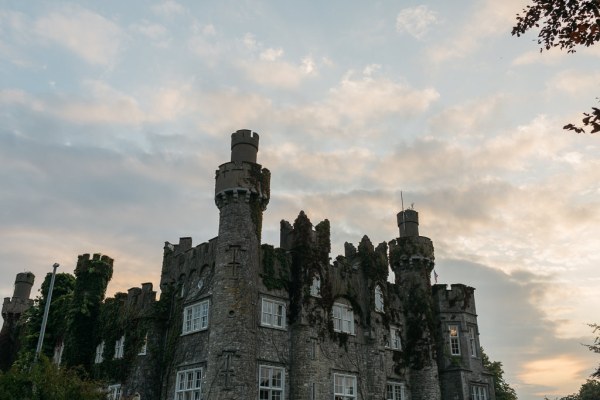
(238, 319)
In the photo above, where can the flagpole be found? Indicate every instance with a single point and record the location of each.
(46, 310)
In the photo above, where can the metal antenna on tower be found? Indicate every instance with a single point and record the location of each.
(403, 215)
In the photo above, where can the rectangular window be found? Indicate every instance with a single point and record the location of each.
(395, 391)
(478, 392)
(58, 352)
(195, 317)
(114, 392)
(273, 313)
(189, 384)
(454, 340)
(99, 353)
(395, 338)
(120, 347)
(472, 341)
(343, 318)
(315, 287)
(344, 387)
(144, 347)
(271, 383)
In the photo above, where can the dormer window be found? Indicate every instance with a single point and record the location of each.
(378, 299)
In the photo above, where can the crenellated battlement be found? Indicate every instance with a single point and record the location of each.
(244, 146)
(459, 298)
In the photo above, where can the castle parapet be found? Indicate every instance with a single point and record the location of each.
(459, 298)
(244, 146)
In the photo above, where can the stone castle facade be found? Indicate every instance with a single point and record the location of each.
(238, 319)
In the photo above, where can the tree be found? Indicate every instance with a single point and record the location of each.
(590, 390)
(46, 381)
(595, 347)
(565, 24)
(501, 387)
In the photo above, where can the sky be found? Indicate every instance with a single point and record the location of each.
(114, 116)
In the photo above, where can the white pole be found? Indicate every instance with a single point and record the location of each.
(46, 310)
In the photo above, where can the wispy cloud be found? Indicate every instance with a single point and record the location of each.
(415, 21)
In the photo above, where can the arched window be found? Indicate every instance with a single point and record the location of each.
(378, 299)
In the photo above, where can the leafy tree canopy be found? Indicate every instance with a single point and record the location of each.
(565, 24)
(501, 387)
(46, 381)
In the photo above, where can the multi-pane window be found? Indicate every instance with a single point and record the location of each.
(395, 338)
(271, 383)
(344, 387)
(454, 340)
(144, 347)
(472, 341)
(189, 384)
(273, 313)
(315, 287)
(99, 353)
(343, 318)
(378, 299)
(395, 391)
(478, 392)
(195, 317)
(120, 347)
(114, 392)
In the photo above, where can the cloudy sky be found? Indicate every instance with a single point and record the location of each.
(114, 116)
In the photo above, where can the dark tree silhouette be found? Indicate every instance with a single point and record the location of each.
(565, 24)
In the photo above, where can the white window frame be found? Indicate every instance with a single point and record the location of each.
(395, 391)
(195, 317)
(119, 347)
(454, 336)
(188, 384)
(478, 392)
(472, 341)
(273, 313)
(269, 387)
(99, 353)
(315, 287)
(144, 348)
(379, 303)
(114, 392)
(344, 387)
(395, 338)
(343, 318)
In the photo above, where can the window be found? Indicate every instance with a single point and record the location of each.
(454, 343)
(472, 341)
(58, 352)
(315, 287)
(343, 318)
(271, 383)
(119, 347)
(114, 392)
(395, 391)
(195, 317)
(378, 299)
(273, 313)
(478, 392)
(189, 384)
(99, 353)
(144, 347)
(344, 387)
(395, 338)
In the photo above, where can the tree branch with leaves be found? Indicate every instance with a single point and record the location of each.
(564, 24)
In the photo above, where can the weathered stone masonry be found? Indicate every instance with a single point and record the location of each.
(238, 319)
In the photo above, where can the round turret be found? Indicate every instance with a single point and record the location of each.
(408, 223)
(244, 146)
(23, 284)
